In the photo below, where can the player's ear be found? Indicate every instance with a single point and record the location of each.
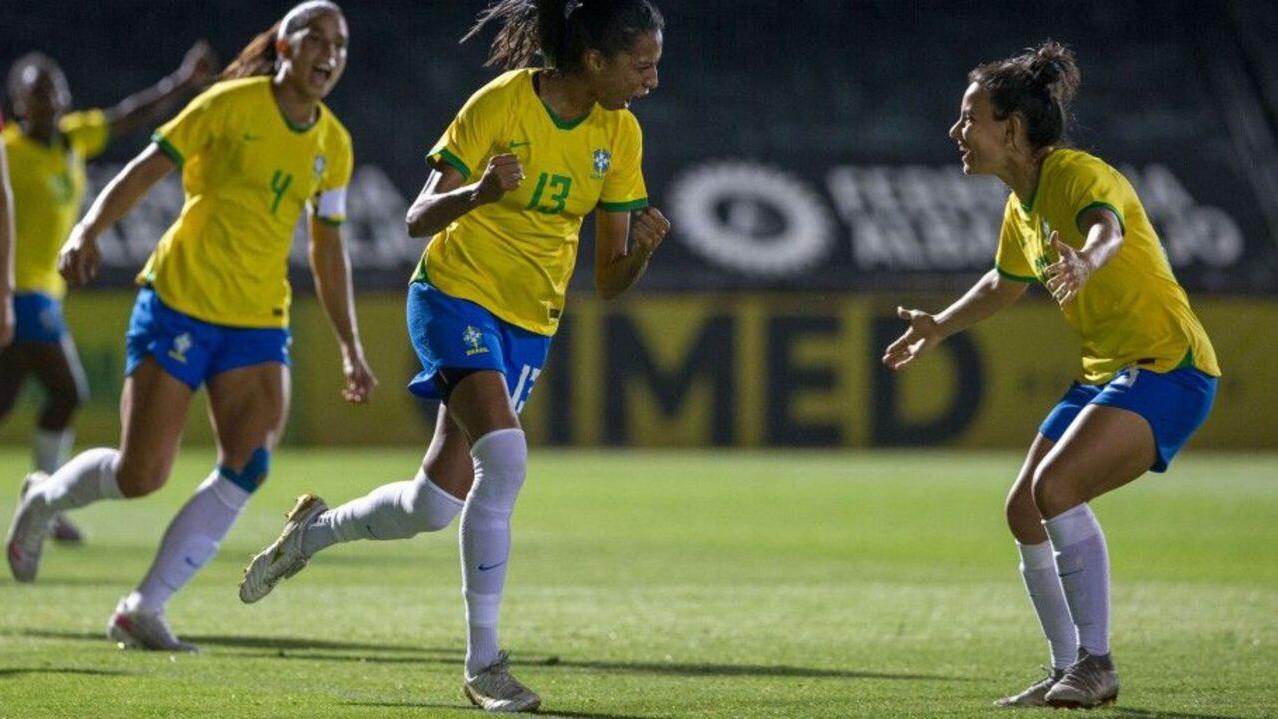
(594, 61)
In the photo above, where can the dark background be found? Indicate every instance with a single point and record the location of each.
(798, 88)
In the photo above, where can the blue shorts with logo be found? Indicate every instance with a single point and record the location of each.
(449, 333)
(1174, 403)
(38, 318)
(193, 350)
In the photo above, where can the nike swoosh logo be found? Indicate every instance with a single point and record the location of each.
(249, 137)
(486, 567)
(514, 144)
(1070, 574)
(190, 563)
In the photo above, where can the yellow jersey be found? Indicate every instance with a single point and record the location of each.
(1132, 311)
(48, 186)
(248, 173)
(515, 256)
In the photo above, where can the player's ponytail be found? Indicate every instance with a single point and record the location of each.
(562, 30)
(260, 56)
(1038, 85)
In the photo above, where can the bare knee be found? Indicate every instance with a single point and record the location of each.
(1054, 492)
(1023, 517)
(138, 478)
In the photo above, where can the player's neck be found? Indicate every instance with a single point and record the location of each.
(43, 133)
(297, 108)
(568, 96)
(1022, 174)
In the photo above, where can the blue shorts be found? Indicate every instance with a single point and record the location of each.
(38, 318)
(193, 350)
(1174, 403)
(449, 333)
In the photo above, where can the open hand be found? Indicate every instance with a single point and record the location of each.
(921, 336)
(199, 66)
(1066, 276)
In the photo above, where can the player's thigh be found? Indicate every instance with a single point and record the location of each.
(153, 407)
(480, 404)
(57, 367)
(1104, 449)
(448, 462)
(247, 407)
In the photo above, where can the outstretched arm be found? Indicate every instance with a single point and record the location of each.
(78, 261)
(989, 295)
(144, 108)
(331, 268)
(1066, 276)
(620, 262)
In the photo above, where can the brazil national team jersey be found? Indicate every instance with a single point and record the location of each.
(1131, 312)
(514, 256)
(48, 186)
(248, 174)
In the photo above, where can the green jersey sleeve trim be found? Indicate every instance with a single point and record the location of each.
(1105, 206)
(167, 148)
(625, 206)
(451, 159)
(331, 221)
(1010, 276)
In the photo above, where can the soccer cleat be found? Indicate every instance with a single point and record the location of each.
(65, 532)
(284, 557)
(26, 534)
(1088, 683)
(142, 629)
(494, 690)
(1034, 695)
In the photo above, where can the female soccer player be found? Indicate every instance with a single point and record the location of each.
(489, 290)
(254, 151)
(6, 248)
(1149, 372)
(49, 147)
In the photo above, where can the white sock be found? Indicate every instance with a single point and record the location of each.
(52, 448)
(1038, 568)
(392, 511)
(501, 459)
(191, 539)
(87, 478)
(1082, 562)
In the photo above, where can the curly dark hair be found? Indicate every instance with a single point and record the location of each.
(1038, 85)
(561, 30)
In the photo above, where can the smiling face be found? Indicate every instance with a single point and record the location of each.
(983, 140)
(627, 75)
(315, 56)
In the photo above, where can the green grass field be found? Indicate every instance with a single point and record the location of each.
(663, 584)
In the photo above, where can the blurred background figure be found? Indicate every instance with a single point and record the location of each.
(49, 146)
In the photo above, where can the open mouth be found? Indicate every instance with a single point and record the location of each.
(321, 74)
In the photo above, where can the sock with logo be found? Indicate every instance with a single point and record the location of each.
(192, 539)
(1082, 561)
(500, 460)
(392, 511)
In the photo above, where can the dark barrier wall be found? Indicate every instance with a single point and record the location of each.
(796, 145)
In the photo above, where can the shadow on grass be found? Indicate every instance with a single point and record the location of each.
(1135, 713)
(7, 672)
(470, 710)
(320, 650)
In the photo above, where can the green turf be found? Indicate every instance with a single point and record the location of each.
(656, 584)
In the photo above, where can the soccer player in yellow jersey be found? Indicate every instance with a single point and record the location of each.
(1149, 373)
(49, 147)
(255, 151)
(6, 248)
(529, 155)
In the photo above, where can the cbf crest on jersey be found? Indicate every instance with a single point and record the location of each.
(320, 163)
(603, 161)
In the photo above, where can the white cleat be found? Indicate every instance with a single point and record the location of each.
(494, 690)
(1089, 682)
(284, 557)
(26, 536)
(1034, 695)
(142, 629)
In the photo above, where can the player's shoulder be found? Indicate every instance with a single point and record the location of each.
(234, 92)
(505, 89)
(1070, 162)
(333, 127)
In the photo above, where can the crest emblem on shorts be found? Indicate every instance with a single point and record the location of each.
(602, 160)
(181, 344)
(474, 340)
(320, 163)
